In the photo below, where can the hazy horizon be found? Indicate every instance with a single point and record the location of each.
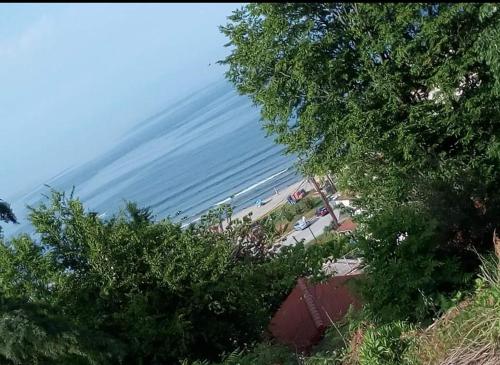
(77, 77)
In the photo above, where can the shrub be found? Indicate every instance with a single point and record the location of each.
(262, 354)
(287, 212)
(299, 208)
(34, 334)
(386, 345)
(406, 272)
(470, 330)
(309, 202)
(165, 293)
(332, 348)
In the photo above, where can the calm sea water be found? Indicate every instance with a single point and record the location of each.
(189, 157)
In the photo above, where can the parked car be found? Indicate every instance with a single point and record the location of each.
(302, 224)
(321, 212)
(297, 196)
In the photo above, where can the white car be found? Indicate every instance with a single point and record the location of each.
(301, 224)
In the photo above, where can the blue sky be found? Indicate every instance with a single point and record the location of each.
(75, 77)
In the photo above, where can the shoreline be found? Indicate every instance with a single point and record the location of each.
(274, 201)
(270, 202)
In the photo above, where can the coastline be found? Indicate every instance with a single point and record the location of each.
(274, 201)
(270, 202)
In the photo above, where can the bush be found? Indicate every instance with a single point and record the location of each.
(406, 273)
(388, 344)
(34, 334)
(309, 202)
(332, 348)
(287, 212)
(262, 354)
(298, 208)
(471, 329)
(165, 293)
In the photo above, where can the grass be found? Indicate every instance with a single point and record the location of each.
(467, 334)
(470, 332)
(307, 214)
(325, 237)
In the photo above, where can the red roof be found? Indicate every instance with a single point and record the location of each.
(346, 226)
(309, 309)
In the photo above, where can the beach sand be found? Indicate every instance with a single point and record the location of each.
(273, 201)
(270, 203)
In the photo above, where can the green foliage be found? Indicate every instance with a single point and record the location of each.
(334, 345)
(163, 292)
(34, 334)
(405, 272)
(287, 212)
(400, 102)
(6, 214)
(347, 87)
(388, 344)
(279, 221)
(471, 329)
(262, 354)
(310, 203)
(337, 245)
(298, 209)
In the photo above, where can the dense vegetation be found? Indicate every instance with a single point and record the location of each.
(281, 220)
(401, 103)
(132, 290)
(469, 333)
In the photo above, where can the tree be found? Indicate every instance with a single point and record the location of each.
(35, 334)
(163, 292)
(399, 101)
(6, 214)
(406, 272)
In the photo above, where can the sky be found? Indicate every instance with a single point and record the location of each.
(76, 77)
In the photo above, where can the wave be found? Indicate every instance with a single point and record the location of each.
(223, 201)
(198, 151)
(281, 182)
(215, 179)
(250, 188)
(191, 222)
(203, 205)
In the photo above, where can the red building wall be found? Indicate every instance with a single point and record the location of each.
(309, 309)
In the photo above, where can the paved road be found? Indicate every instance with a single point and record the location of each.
(317, 228)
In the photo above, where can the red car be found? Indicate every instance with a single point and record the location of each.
(321, 212)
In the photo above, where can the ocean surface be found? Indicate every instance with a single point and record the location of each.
(193, 155)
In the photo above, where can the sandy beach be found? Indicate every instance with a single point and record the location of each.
(274, 200)
(269, 203)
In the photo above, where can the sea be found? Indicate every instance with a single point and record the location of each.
(197, 153)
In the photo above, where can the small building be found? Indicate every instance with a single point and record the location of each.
(310, 309)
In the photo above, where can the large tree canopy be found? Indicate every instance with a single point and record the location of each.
(400, 101)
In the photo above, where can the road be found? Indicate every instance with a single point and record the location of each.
(317, 228)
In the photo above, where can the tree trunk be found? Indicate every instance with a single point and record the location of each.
(335, 221)
(334, 188)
